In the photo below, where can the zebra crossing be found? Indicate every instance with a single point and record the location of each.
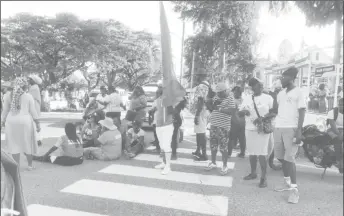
(188, 201)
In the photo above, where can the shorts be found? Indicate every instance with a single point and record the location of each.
(202, 122)
(284, 144)
(165, 137)
(219, 137)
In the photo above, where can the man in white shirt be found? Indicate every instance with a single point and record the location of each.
(288, 127)
(101, 97)
(113, 104)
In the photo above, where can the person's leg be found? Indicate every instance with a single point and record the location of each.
(214, 143)
(242, 141)
(160, 134)
(166, 145)
(29, 160)
(271, 155)
(263, 165)
(203, 144)
(67, 161)
(253, 164)
(224, 148)
(16, 157)
(174, 142)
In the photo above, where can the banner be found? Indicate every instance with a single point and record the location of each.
(173, 91)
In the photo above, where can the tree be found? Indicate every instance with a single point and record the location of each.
(319, 13)
(224, 25)
(53, 47)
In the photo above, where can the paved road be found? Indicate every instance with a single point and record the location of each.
(133, 187)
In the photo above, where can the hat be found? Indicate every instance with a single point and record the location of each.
(108, 123)
(36, 79)
(220, 87)
(253, 81)
(292, 72)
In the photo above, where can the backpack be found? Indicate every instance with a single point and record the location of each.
(335, 115)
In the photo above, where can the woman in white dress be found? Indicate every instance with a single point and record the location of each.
(21, 122)
(257, 142)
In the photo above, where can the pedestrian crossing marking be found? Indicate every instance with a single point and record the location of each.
(186, 150)
(198, 203)
(41, 210)
(223, 181)
(180, 161)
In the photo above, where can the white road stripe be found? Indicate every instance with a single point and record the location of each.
(41, 210)
(188, 151)
(180, 161)
(198, 203)
(223, 181)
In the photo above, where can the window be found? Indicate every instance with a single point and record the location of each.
(317, 56)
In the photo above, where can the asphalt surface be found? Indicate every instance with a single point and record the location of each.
(134, 188)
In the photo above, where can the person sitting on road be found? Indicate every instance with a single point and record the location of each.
(70, 149)
(91, 129)
(108, 144)
(335, 120)
(135, 140)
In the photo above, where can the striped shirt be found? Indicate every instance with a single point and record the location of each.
(219, 119)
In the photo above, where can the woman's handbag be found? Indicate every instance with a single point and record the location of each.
(264, 125)
(130, 116)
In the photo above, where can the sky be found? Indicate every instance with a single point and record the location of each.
(144, 15)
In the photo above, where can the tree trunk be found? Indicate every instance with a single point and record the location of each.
(221, 57)
(337, 38)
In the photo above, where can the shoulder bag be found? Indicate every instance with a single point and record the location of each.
(266, 125)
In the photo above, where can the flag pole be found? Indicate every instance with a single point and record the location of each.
(192, 69)
(182, 54)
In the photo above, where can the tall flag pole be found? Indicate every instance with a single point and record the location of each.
(182, 55)
(173, 91)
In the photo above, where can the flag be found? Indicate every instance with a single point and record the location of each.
(173, 91)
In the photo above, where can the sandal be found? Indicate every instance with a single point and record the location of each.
(251, 176)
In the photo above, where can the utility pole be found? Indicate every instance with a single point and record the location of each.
(182, 55)
(193, 69)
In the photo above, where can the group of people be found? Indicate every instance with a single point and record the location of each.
(265, 123)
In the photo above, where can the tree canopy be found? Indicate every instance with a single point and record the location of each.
(56, 47)
(223, 28)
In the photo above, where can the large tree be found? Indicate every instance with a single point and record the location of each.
(53, 47)
(226, 28)
(319, 13)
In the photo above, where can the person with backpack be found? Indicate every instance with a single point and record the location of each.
(201, 113)
(335, 121)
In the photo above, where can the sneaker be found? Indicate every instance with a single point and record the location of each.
(224, 171)
(285, 187)
(30, 168)
(211, 166)
(166, 170)
(196, 154)
(263, 183)
(250, 176)
(160, 166)
(241, 155)
(294, 196)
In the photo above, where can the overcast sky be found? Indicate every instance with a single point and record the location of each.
(145, 15)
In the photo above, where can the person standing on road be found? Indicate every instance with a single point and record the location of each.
(153, 112)
(101, 97)
(21, 122)
(220, 125)
(113, 104)
(177, 123)
(288, 130)
(34, 81)
(238, 124)
(198, 108)
(164, 130)
(138, 103)
(256, 108)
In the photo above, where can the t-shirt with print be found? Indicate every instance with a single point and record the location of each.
(339, 120)
(264, 103)
(289, 104)
(135, 136)
(201, 91)
(114, 101)
(111, 144)
(88, 132)
(220, 119)
(68, 148)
